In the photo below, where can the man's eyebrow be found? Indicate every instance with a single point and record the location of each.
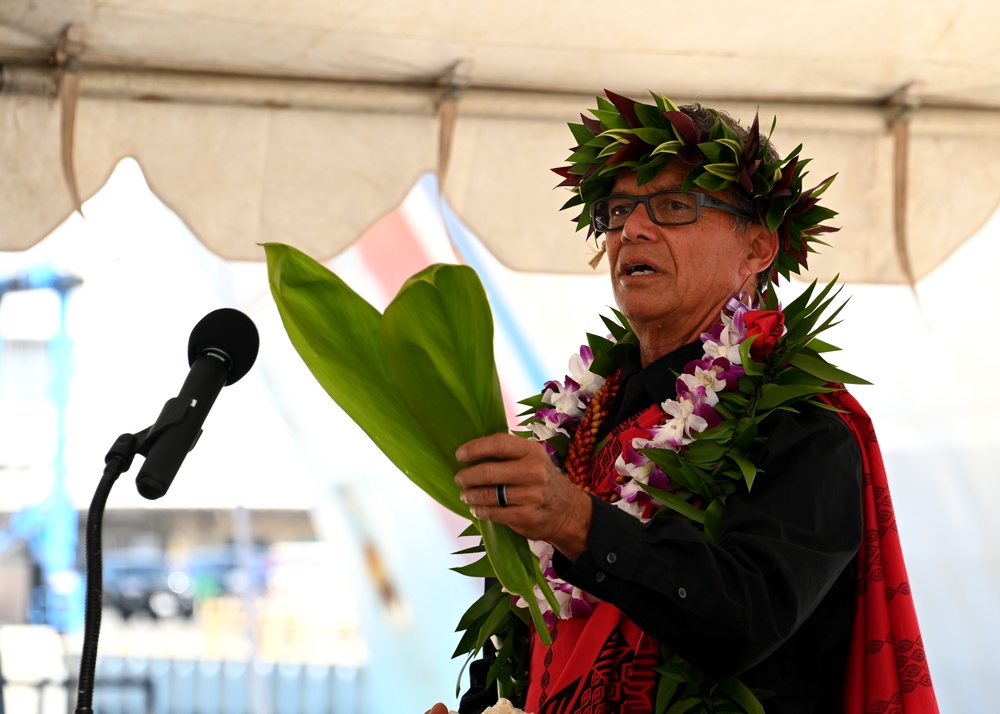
(672, 187)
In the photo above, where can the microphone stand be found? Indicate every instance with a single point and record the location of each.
(117, 461)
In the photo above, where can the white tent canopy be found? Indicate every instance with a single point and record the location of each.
(303, 121)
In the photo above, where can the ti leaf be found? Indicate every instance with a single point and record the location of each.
(420, 381)
(338, 335)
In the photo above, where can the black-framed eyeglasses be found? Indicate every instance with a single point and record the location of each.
(665, 208)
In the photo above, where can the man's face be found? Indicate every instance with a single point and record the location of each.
(675, 278)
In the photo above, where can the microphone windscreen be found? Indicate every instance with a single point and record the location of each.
(228, 331)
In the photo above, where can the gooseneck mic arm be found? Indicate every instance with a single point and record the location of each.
(119, 459)
(222, 348)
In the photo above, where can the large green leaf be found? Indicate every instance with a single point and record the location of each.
(438, 337)
(338, 335)
(420, 381)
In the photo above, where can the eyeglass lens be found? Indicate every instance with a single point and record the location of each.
(666, 208)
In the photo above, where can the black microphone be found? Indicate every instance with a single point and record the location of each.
(222, 348)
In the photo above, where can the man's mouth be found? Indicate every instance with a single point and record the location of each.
(639, 269)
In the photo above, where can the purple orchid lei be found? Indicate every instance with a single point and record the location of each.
(691, 412)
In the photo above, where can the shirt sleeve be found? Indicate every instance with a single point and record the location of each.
(726, 606)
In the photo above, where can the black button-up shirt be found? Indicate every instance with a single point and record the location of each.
(773, 599)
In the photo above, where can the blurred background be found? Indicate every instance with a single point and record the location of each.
(290, 568)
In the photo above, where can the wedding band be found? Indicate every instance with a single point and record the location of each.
(502, 495)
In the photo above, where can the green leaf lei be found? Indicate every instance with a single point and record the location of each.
(780, 372)
(626, 135)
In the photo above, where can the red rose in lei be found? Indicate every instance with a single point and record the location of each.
(768, 325)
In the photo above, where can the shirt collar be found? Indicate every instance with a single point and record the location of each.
(658, 379)
(641, 387)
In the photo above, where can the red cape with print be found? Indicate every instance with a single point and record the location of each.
(604, 662)
(887, 667)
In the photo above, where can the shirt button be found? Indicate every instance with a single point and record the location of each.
(682, 593)
(599, 577)
(612, 558)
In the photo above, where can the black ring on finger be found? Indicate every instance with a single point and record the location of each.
(502, 495)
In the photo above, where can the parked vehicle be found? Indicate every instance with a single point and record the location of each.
(143, 581)
(224, 570)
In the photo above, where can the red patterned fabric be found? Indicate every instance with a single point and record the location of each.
(887, 668)
(602, 664)
(602, 471)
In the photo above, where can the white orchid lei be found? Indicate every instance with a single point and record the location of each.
(691, 412)
(755, 360)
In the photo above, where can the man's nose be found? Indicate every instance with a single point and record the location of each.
(639, 225)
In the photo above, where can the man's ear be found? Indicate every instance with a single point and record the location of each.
(762, 247)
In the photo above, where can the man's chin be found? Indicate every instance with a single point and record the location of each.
(643, 298)
(643, 312)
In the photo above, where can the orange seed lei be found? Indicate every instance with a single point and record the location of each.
(580, 455)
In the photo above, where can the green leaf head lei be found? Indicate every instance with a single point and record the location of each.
(626, 135)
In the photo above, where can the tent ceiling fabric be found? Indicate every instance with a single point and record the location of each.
(304, 121)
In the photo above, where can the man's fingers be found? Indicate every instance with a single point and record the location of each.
(492, 496)
(494, 446)
(485, 473)
(518, 473)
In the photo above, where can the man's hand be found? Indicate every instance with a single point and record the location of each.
(543, 504)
